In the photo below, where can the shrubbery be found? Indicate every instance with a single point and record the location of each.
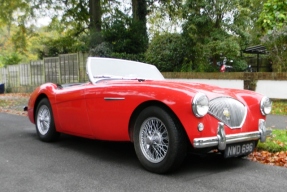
(167, 52)
(10, 59)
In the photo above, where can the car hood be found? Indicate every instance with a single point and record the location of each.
(191, 88)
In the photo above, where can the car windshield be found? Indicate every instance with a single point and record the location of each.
(101, 68)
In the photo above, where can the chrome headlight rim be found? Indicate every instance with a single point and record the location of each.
(200, 105)
(265, 105)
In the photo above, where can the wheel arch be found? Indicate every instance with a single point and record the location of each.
(146, 104)
(37, 101)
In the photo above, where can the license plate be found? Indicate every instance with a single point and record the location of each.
(239, 149)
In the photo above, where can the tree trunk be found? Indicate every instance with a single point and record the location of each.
(95, 23)
(139, 8)
(95, 15)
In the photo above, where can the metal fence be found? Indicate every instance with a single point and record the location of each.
(68, 68)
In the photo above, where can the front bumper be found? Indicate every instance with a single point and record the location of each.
(221, 140)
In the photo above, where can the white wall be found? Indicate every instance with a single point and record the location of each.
(270, 88)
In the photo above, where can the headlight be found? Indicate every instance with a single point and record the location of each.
(200, 105)
(265, 106)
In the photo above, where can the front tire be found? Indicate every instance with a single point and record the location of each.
(159, 141)
(45, 126)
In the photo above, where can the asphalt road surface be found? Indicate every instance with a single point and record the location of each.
(76, 164)
(277, 121)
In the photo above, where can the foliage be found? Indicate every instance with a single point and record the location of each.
(211, 29)
(16, 11)
(167, 52)
(276, 42)
(276, 142)
(101, 50)
(239, 64)
(273, 15)
(269, 158)
(273, 151)
(124, 35)
(14, 42)
(214, 29)
(10, 59)
(273, 22)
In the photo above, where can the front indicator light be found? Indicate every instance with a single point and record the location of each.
(200, 127)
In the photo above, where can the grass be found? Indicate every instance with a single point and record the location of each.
(275, 143)
(278, 140)
(279, 107)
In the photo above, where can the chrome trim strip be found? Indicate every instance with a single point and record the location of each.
(114, 98)
(221, 140)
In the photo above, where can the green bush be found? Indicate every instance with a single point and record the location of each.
(167, 52)
(125, 36)
(239, 65)
(10, 59)
(101, 50)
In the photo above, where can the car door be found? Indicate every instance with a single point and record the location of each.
(105, 109)
(72, 111)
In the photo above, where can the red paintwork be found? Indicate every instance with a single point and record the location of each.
(82, 110)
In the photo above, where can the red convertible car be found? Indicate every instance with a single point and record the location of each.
(131, 101)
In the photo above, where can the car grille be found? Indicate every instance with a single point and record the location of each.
(228, 110)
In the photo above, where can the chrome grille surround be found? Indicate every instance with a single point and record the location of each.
(229, 111)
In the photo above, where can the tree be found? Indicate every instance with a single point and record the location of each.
(276, 43)
(77, 16)
(167, 52)
(215, 29)
(141, 8)
(13, 15)
(273, 22)
(16, 11)
(273, 15)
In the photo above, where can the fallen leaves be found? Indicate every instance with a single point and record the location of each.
(13, 103)
(14, 112)
(265, 157)
(279, 107)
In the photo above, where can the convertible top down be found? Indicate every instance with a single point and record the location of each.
(131, 101)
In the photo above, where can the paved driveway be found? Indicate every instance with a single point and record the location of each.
(76, 164)
(277, 121)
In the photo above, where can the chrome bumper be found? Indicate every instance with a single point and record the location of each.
(221, 140)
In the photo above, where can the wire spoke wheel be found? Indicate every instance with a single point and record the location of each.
(43, 119)
(45, 126)
(159, 140)
(154, 140)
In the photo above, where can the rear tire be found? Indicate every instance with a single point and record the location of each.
(45, 126)
(159, 141)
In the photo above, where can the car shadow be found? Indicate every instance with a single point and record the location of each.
(123, 154)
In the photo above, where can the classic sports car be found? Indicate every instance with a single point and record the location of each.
(131, 101)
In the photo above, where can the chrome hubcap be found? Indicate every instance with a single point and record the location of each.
(43, 119)
(154, 140)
